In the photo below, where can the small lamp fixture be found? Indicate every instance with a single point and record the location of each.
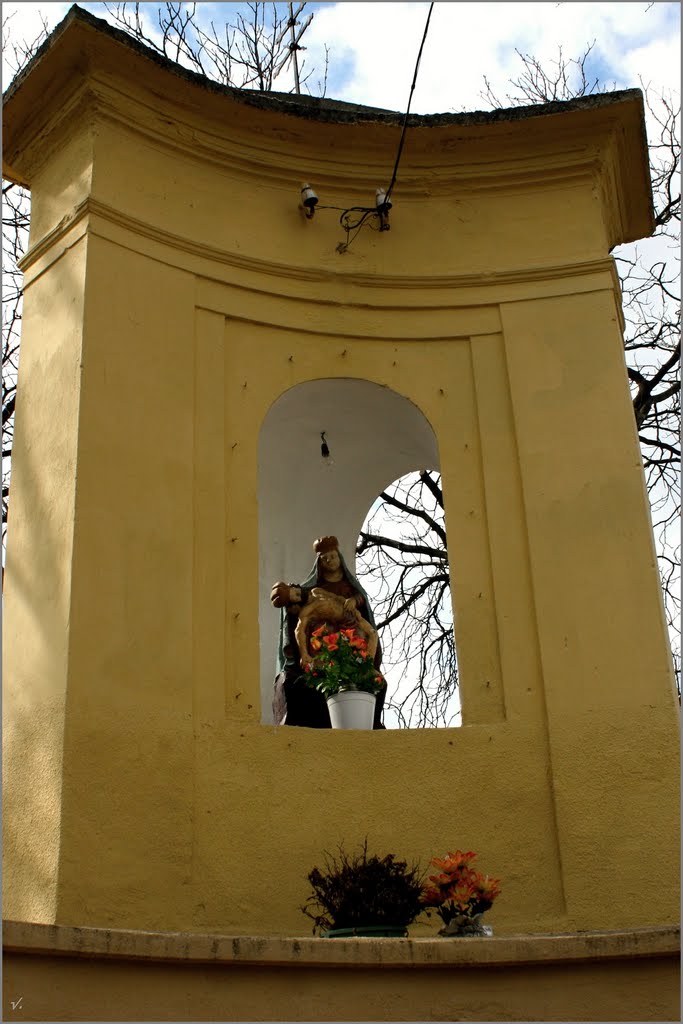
(383, 204)
(324, 450)
(309, 200)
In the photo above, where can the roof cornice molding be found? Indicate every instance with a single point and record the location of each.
(86, 70)
(278, 157)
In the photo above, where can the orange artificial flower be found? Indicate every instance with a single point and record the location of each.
(454, 862)
(459, 888)
(487, 888)
(442, 879)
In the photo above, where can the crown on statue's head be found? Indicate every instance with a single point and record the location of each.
(323, 544)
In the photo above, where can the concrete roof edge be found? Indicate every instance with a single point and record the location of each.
(312, 107)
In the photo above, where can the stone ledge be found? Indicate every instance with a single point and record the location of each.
(196, 947)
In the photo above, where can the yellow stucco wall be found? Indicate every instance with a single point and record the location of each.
(174, 292)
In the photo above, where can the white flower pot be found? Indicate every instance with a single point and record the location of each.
(466, 927)
(352, 709)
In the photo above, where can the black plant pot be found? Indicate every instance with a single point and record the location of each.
(369, 931)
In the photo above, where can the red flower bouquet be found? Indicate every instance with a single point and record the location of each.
(341, 662)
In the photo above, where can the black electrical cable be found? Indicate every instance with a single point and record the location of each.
(410, 99)
(367, 211)
(363, 210)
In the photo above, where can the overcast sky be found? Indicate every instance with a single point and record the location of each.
(373, 46)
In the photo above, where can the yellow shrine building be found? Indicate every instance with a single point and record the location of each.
(188, 331)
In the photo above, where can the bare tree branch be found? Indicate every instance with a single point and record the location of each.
(250, 52)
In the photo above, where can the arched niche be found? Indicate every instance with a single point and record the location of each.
(374, 436)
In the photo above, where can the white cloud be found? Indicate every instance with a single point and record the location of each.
(656, 63)
(469, 40)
